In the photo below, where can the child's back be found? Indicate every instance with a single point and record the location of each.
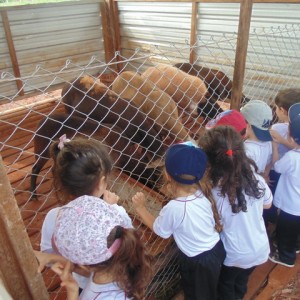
(258, 145)
(287, 194)
(191, 217)
(240, 196)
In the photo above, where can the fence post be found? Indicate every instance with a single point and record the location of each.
(18, 267)
(193, 40)
(241, 53)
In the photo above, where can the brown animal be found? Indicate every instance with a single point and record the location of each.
(86, 97)
(158, 105)
(218, 83)
(123, 152)
(186, 90)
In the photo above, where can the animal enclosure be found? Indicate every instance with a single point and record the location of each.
(117, 101)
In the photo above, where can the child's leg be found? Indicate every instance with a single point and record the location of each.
(200, 274)
(233, 282)
(241, 282)
(226, 287)
(288, 229)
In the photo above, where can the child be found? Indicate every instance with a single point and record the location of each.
(94, 235)
(80, 170)
(192, 219)
(279, 132)
(258, 144)
(287, 194)
(240, 196)
(231, 118)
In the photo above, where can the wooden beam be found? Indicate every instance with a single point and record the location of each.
(107, 31)
(193, 36)
(18, 266)
(12, 51)
(117, 35)
(213, 1)
(241, 53)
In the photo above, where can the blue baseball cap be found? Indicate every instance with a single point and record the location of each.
(185, 159)
(294, 116)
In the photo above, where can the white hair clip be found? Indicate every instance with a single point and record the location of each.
(62, 140)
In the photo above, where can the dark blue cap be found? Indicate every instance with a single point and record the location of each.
(185, 159)
(294, 116)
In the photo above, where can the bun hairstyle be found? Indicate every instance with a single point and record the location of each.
(78, 166)
(229, 167)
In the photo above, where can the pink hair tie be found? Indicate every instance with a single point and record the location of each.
(229, 152)
(62, 140)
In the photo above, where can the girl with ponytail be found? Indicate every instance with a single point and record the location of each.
(192, 218)
(240, 195)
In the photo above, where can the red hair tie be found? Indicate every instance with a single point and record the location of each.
(229, 152)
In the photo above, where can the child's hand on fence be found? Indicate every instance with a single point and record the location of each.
(138, 200)
(46, 259)
(67, 280)
(110, 197)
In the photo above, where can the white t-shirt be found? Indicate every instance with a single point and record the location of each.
(48, 230)
(287, 195)
(107, 291)
(283, 130)
(190, 220)
(244, 234)
(260, 152)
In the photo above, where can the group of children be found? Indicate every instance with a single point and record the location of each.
(219, 192)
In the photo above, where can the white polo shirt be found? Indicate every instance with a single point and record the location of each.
(260, 152)
(106, 291)
(190, 220)
(287, 195)
(244, 234)
(283, 130)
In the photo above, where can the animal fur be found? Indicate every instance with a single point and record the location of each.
(86, 97)
(124, 153)
(158, 105)
(186, 90)
(218, 83)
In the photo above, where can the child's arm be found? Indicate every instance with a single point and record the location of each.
(67, 280)
(138, 201)
(110, 197)
(45, 259)
(275, 152)
(277, 138)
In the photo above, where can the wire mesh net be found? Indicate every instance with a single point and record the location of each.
(156, 99)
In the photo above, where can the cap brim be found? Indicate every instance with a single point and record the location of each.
(262, 135)
(294, 111)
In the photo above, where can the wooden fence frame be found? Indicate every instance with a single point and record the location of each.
(112, 38)
(18, 267)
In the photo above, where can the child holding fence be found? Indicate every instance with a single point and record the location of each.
(240, 195)
(88, 223)
(191, 217)
(287, 194)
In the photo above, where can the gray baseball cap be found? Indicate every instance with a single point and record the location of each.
(259, 115)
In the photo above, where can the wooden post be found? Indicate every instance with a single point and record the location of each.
(116, 25)
(108, 31)
(12, 51)
(18, 267)
(241, 53)
(193, 35)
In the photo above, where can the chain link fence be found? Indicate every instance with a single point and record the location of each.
(137, 112)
